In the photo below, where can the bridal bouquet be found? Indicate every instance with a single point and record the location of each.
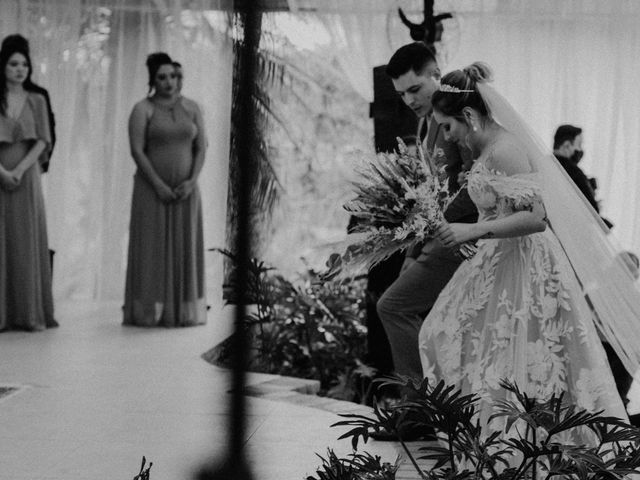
(398, 204)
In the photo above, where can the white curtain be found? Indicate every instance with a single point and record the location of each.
(558, 61)
(90, 56)
(357, 49)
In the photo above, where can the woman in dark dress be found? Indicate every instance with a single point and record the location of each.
(25, 275)
(165, 271)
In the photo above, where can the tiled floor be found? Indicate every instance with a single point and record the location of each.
(97, 396)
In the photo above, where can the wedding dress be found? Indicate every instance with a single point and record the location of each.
(533, 308)
(516, 311)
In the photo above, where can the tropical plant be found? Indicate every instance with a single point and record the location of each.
(264, 179)
(535, 449)
(308, 121)
(360, 466)
(307, 329)
(273, 74)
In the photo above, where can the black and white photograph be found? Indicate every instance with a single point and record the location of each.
(319, 239)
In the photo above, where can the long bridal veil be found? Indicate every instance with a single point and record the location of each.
(600, 265)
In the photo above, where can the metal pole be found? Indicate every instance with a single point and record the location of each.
(235, 466)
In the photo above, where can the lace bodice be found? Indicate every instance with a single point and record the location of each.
(497, 194)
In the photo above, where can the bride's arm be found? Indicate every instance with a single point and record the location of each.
(523, 221)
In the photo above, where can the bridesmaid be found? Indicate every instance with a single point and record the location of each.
(26, 301)
(165, 271)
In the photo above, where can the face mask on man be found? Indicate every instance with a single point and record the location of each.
(577, 156)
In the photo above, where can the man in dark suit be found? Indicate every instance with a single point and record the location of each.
(402, 308)
(20, 41)
(567, 148)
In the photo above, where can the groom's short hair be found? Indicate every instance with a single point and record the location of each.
(564, 133)
(413, 56)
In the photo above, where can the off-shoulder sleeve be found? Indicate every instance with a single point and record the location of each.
(519, 190)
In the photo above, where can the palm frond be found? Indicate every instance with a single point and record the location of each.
(333, 468)
(527, 403)
(610, 432)
(513, 412)
(277, 76)
(574, 416)
(528, 449)
(472, 452)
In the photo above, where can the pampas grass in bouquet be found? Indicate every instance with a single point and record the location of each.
(398, 204)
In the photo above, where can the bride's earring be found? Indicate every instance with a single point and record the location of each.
(470, 120)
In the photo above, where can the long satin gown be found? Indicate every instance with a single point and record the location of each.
(165, 272)
(516, 311)
(26, 301)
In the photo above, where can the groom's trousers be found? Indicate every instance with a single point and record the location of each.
(407, 301)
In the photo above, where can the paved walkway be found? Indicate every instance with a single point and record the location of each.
(93, 397)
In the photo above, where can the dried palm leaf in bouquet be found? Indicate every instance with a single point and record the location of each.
(398, 205)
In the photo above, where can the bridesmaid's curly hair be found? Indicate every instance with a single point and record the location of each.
(154, 62)
(451, 103)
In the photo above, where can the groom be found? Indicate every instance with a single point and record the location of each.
(402, 308)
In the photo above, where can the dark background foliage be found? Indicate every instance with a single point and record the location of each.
(307, 329)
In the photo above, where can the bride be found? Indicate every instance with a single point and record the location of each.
(517, 309)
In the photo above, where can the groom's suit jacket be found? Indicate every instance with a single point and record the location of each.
(461, 209)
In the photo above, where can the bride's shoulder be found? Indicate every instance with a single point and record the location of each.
(508, 156)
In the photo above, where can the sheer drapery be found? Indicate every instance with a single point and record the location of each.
(568, 61)
(90, 56)
(359, 40)
(557, 61)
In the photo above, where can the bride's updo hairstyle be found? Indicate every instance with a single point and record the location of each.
(458, 90)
